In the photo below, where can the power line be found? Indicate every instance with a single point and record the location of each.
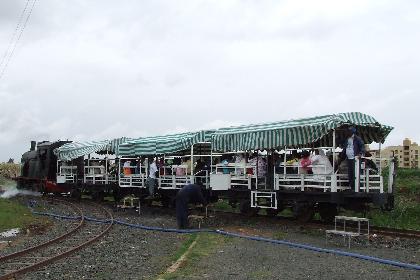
(9, 46)
(9, 57)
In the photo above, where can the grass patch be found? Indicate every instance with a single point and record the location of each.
(406, 212)
(261, 274)
(184, 247)
(405, 215)
(206, 244)
(224, 205)
(14, 215)
(279, 235)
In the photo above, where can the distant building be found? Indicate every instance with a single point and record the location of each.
(407, 155)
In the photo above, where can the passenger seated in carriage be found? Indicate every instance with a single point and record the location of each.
(226, 159)
(127, 168)
(293, 160)
(369, 163)
(305, 163)
(321, 165)
(200, 168)
(259, 163)
(240, 162)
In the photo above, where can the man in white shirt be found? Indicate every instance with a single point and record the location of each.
(151, 180)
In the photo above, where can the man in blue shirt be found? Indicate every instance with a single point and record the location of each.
(353, 147)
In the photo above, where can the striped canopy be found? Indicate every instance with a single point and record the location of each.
(297, 133)
(74, 150)
(165, 144)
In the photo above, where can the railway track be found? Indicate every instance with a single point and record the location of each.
(384, 231)
(81, 235)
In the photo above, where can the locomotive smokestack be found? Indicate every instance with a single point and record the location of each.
(33, 145)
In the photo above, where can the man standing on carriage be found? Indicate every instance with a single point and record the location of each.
(353, 148)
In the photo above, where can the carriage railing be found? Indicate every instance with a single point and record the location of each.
(132, 181)
(240, 176)
(176, 176)
(367, 179)
(132, 176)
(293, 177)
(67, 175)
(96, 174)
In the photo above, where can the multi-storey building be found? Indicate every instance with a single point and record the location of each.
(407, 155)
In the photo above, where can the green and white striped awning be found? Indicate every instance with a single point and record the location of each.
(297, 133)
(166, 144)
(74, 150)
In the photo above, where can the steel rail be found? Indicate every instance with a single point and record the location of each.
(50, 260)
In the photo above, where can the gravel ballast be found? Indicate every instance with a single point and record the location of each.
(130, 253)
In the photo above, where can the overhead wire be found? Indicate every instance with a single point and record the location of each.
(12, 39)
(9, 55)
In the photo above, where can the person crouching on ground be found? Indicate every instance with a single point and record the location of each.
(188, 194)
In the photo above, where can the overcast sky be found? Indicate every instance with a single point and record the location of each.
(100, 69)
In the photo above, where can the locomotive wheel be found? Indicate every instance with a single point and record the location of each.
(327, 211)
(76, 194)
(247, 210)
(303, 212)
(168, 202)
(98, 196)
(272, 212)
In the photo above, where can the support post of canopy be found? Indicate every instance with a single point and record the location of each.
(380, 160)
(334, 175)
(285, 161)
(211, 158)
(334, 144)
(192, 163)
(106, 167)
(357, 174)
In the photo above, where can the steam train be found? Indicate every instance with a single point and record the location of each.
(254, 167)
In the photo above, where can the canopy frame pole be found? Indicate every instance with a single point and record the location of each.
(380, 160)
(164, 165)
(285, 161)
(192, 163)
(334, 147)
(334, 175)
(106, 167)
(211, 158)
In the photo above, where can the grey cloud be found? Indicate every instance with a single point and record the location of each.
(101, 69)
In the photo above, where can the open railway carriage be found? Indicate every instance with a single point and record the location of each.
(265, 181)
(89, 167)
(306, 193)
(175, 155)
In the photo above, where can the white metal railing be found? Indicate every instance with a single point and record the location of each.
(96, 175)
(240, 176)
(132, 176)
(174, 181)
(367, 180)
(132, 181)
(67, 174)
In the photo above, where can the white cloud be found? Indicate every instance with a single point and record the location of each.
(98, 69)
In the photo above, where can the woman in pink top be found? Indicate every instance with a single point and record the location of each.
(305, 162)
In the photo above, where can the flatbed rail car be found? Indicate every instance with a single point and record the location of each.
(244, 182)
